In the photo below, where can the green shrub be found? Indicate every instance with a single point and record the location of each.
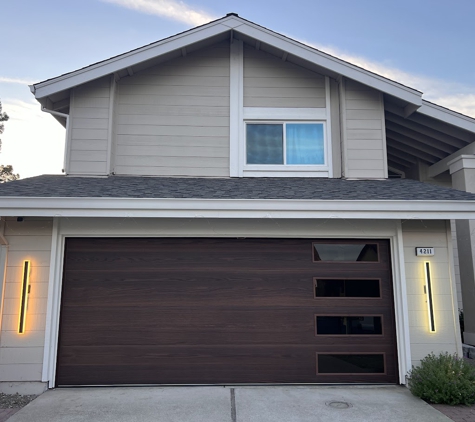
(444, 379)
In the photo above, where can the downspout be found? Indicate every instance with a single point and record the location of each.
(3, 266)
(66, 116)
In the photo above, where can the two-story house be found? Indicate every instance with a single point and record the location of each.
(237, 207)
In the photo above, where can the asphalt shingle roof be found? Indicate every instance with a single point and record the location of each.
(236, 188)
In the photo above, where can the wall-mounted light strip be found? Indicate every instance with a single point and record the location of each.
(25, 289)
(430, 303)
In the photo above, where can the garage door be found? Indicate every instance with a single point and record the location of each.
(205, 311)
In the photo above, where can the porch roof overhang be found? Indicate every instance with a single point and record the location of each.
(433, 136)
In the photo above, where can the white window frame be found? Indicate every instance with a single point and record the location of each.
(257, 169)
(240, 116)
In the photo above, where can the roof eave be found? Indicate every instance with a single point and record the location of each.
(115, 64)
(235, 208)
(447, 116)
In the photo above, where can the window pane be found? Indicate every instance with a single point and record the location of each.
(264, 144)
(304, 143)
(351, 364)
(347, 288)
(348, 252)
(349, 325)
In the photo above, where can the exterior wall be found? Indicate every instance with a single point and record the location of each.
(89, 128)
(447, 335)
(21, 355)
(173, 119)
(364, 132)
(272, 82)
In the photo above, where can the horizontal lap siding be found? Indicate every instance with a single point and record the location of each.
(423, 342)
(271, 82)
(365, 132)
(173, 119)
(89, 128)
(21, 355)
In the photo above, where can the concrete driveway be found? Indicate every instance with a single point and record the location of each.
(229, 404)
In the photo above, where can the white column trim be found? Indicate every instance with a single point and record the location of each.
(54, 302)
(69, 130)
(400, 305)
(383, 126)
(453, 289)
(110, 131)
(343, 134)
(236, 127)
(462, 162)
(328, 143)
(3, 273)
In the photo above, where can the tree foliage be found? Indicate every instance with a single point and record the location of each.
(6, 172)
(3, 118)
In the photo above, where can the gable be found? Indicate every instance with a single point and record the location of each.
(173, 118)
(272, 82)
(277, 73)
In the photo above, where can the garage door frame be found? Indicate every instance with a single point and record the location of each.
(63, 228)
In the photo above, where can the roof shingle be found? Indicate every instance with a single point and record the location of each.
(59, 186)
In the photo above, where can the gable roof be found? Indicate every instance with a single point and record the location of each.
(416, 130)
(239, 27)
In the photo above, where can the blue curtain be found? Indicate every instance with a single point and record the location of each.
(305, 143)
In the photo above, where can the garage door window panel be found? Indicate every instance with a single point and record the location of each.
(345, 252)
(351, 363)
(347, 288)
(359, 325)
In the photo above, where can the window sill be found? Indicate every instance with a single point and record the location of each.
(285, 171)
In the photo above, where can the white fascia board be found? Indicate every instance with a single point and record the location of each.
(335, 64)
(447, 116)
(235, 208)
(129, 59)
(179, 41)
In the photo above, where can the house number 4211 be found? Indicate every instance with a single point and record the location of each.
(424, 251)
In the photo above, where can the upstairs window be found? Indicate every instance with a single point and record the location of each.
(285, 143)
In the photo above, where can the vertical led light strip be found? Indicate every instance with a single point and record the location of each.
(25, 287)
(430, 304)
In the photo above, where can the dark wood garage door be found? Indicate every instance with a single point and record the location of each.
(204, 311)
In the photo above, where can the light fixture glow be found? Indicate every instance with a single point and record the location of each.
(430, 303)
(25, 290)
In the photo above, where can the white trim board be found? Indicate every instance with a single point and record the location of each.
(235, 208)
(447, 116)
(400, 304)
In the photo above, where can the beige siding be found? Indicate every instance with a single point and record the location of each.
(173, 119)
(429, 233)
(365, 132)
(21, 355)
(272, 82)
(89, 128)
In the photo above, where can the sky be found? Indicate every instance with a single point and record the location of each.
(426, 44)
